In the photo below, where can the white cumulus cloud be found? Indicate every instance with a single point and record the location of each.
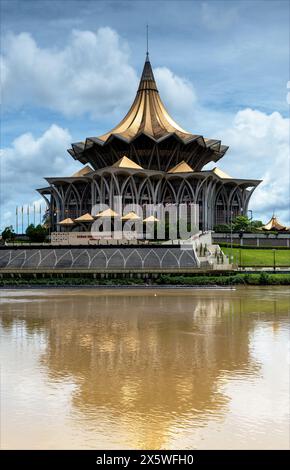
(26, 162)
(177, 93)
(89, 74)
(259, 149)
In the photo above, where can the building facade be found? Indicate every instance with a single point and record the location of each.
(148, 159)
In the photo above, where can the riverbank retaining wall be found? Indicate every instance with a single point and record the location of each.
(254, 239)
(101, 259)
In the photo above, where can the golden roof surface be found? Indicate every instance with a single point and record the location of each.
(67, 221)
(273, 224)
(131, 216)
(148, 117)
(147, 114)
(181, 167)
(107, 213)
(83, 171)
(221, 173)
(85, 218)
(151, 218)
(125, 162)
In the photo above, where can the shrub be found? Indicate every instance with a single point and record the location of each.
(8, 233)
(36, 234)
(264, 278)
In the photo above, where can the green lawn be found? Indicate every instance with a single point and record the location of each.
(252, 257)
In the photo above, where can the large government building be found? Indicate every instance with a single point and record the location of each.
(147, 159)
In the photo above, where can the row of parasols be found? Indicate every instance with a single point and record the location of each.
(108, 213)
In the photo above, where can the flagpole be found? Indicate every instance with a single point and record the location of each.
(16, 219)
(34, 214)
(28, 215)
(22, 219)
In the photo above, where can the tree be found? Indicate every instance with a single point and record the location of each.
(36, 234)
(256, 224)
(241, 223)
(8, 233)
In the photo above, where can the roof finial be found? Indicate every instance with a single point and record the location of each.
(147, 42)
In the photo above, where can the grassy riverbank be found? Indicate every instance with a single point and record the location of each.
(247, 257)
(182, 280)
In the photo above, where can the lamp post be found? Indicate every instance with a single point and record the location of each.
(241, 242)
(274, 259)
(54, 219)
(22, 224)
(231, 224)
(16, 219)
(241, 237)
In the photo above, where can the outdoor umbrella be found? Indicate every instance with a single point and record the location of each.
(66, 222)
(85, 218)
(131, 216)
(151, 218)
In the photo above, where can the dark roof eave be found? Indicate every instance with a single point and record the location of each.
(128, 170)
(67, 179)
(46, 190)
(239, 181)
(76, 151)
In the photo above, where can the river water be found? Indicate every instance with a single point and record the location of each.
(146, 369)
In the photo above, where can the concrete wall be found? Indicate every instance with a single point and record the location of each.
(98, 259)
(254, 239)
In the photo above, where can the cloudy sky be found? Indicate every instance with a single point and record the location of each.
(70, 68)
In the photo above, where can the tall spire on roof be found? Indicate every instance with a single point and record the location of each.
(147, 114)
(147, 81)
(147, 49)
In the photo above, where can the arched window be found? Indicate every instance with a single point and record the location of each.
(186, 196)
(235, 204)
(221, 207)
(145, 196)
(86, 200)
(128, 193)
(168, 194)
(71, 207)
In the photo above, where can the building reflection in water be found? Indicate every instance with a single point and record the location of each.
(148, 363)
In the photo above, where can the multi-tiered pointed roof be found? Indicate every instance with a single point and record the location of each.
(147, 125)
(274, 224)
(147, 114)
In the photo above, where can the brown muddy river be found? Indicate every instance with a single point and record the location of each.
(146, 369)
